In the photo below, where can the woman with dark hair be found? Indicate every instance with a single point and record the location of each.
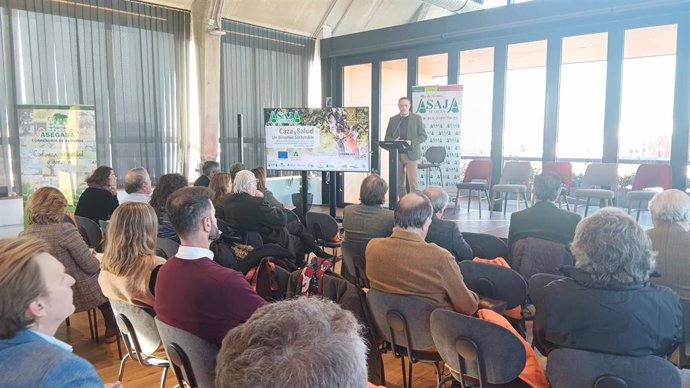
(99, 200)
(45, 210)
(260, 174)
(167, 184)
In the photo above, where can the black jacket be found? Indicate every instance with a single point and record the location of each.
(96, 204)
(544, 220)
(248, 213)
(623, 319)
(446, 234)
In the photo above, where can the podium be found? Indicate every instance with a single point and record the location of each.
(394, 148)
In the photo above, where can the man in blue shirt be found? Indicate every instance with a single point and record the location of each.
(35, 298)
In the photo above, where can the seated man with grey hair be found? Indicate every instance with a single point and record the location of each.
(445, 234)
(304, 342)
(368, 220)
(406, 264)
(670, 239)
(208, 170)
(544, 220)
(138, 186)
(605, 302)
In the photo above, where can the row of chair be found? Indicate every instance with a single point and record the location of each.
(599, 182)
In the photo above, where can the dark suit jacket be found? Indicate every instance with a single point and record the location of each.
(253, 214)
(415, 133)
(446, 234)
(202, 181)
(544, 220)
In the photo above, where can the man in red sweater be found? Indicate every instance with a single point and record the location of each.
(193, 292)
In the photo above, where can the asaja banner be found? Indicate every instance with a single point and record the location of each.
(441, 111)
(57, 147)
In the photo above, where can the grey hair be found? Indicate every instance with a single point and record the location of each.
(304, 342)
(135, 179)
(373, 190)
(438, 197)
(611, 246)
(412, 211)
(210, 167)
(241, 181)
(670, 206)
(547, 186)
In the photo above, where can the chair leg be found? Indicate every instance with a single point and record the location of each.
(409, 376)
(164, 375)
(469, 199)
(505, 203)
(629, 207)
(486, 194)
(404, 374)
(119, 345)
(439, 372)
(493, 200)
(121, 371)
(639, 207)
(577, 199)
(479, 203)
(517, 201)
(587, 207)
(565, 197)
(524, 199)
(457, 198)
(440, 172)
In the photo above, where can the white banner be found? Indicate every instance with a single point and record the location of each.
(441, 111)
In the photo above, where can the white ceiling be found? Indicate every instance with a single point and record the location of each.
(306, 17)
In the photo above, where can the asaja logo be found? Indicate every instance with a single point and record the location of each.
(438, 105)
(278, 117)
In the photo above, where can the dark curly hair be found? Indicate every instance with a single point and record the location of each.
(167, 184)
(100, 176)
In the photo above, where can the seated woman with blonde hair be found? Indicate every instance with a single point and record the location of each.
(130, 265)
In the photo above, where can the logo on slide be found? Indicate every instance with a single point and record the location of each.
(282, 155)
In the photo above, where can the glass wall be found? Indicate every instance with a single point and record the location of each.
(432, 70)
(476, 75)
(582, 97)
(356, 92)
(524, 100)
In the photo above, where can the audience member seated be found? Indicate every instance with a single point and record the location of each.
(235, 168)
(445, 234)
(137, 186)
(304, 342)
(260, 175)
(544, 220)
(45, 210)
(220, 186)
(193, 292)
(208, 170)
(167, 184)
(35, 298)
(670, 239)
(368, 220)
(405, 264)
(247, 211)
(605, 302)
(129, 266)
(99, 200)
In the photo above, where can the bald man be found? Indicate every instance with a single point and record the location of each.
(407, 265)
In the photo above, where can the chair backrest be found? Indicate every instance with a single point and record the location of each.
(138, 329)
(104, 226)
(531, 256)
(200, 353)
(497, 352)
(599, 370)
(486, 246)
(603, 175)
(322, 225)
(91, 229)
(435, 155)
(166, 248)
(495, 282)
(652, 175)
(355, 262)
(516, 173)
(402, 319)
(291, 216)
(478, 169)
(563, 170)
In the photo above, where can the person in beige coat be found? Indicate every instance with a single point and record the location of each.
(407, 265)
(671, 240)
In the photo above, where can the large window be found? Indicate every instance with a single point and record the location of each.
(524, 100)
(582, 97)
(646, 121)
(356, 92)
(393, 86)
(476, 75)
(432, 70)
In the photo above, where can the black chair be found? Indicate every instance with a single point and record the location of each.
(91, 230)
(324, 228)
(482, 352)
(683, 360)
(404, 322)
(435, 156)
(354, 264)
(166, 248)
(494, 281)
(486, 246)
(573, 368)
(193, 359)
(531, 256)
(140, 336)
(291, 216)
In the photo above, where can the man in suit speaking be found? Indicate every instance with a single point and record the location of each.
(409, 127)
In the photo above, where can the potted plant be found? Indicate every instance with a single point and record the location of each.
(297, 197)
